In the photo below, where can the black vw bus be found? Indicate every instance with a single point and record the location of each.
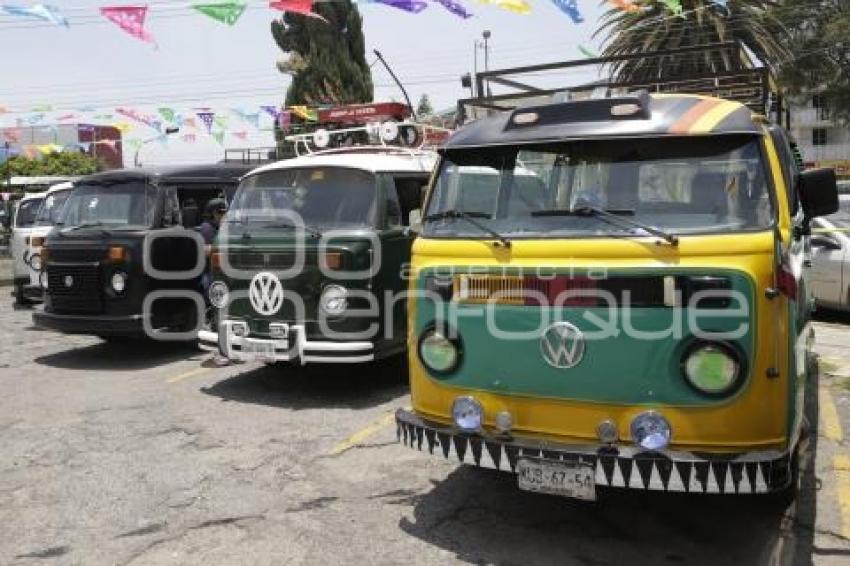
(126, 258)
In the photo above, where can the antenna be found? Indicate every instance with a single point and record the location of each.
(398, 82)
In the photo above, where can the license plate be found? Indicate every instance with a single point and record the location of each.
(568, 479)
(258, 350)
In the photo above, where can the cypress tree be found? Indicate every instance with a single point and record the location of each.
(327, 60)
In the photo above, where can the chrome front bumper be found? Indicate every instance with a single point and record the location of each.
(294, 347)
(626, 467)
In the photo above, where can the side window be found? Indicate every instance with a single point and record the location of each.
(789, 165)
(409, 192)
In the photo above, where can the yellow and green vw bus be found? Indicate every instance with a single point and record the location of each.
(611, 292)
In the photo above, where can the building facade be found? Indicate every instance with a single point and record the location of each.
(101, 142)
(824, 142)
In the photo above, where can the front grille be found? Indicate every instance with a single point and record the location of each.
(260, 260)
(83, 295)
(79, 255)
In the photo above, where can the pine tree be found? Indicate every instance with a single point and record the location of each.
(424, 108)
(327, 60)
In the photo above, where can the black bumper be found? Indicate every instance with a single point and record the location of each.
(625, 467)
(33, 292)
(95, 325)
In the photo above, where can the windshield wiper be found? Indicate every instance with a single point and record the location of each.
(469, 217)
(95, 224)
(310, 230)
(615, 215)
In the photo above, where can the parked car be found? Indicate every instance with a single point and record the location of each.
(829, 275)
(305, 245)
(125, 259)
(23, 224)
(626, 321)
(46, 217)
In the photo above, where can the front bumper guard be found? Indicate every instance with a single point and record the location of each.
(294, 347)
(623, 467)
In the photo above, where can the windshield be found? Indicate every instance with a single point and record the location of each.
(680, 186)
(322, 196)
(50, 209)
(27, 211)
(114, 205)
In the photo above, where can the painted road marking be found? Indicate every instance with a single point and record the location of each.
(187, 375)
(829, 416)
(842, 486)
(361, 435)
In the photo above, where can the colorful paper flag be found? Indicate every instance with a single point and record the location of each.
(66, 117)
(516, 6)
(455, 8)
(123, 127)
(303, 7)
(570, 8)
(43, 12)
(166, 113)
(224, 12)
(189, 138)
(241, 135)
(131, 19)
(588, 52)
(412, 6)
(271, 111)
(220, 121)
(219, 137)
(207, 118)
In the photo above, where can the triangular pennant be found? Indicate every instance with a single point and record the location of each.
(208, 118)
(42, 12)
(224, 12)
(220, 121)
(131, 19)
(412, 6)
(189, 138)
(302, 7)
(241, 135)
(271, 111)
(570, 8)
(219, 137)
(166, 113)
(455, 8)
(516, 6)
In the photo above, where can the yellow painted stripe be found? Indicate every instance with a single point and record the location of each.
(842, 486)
(710, 119)
(187, 375)
(361, 435)
(829, 416)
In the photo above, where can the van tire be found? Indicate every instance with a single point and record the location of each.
(20, 298)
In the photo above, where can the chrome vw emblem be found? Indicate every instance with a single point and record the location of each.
(266, 293)
(69, 281)
(562, 345)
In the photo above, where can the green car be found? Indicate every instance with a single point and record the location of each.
(309, 264)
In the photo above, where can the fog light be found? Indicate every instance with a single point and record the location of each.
(650, 431)
(35, 262)
(467, 413)
(42, 279)
(278, 331)
(239, 329)
(118, 282)
(504, 421)
(334, 299)
(218, 294)
(607, 432)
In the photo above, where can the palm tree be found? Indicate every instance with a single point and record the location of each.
(657, 25)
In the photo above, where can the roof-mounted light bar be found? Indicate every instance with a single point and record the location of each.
(632, 107)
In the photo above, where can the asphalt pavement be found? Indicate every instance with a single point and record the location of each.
(147, 454)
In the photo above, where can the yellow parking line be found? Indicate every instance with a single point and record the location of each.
(842, 486)
(829, 416)
(187, 375)
(361, 435)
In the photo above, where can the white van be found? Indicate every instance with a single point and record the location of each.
(23, 224)
(45, 220)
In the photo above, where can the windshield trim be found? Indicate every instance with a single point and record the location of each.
(148, 186)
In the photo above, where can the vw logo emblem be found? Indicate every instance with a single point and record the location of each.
(69, 281)
(266, 293)
(562, 345)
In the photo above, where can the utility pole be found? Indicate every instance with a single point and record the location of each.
(486, 35)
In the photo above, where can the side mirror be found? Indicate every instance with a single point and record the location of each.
(825, 242)
(415, 220)
(818, 192)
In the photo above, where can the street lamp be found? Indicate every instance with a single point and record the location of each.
(168, 131)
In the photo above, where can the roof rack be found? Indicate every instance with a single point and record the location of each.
(401, 137)
(250, 155)
(747, 83)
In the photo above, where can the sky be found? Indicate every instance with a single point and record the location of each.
(198, 62)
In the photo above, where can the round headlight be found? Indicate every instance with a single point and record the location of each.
(712, 369)
(35, 262)
(118, 281)
(437, 352)
(42, 279)
(650, 431)
(467, 413)
(334, 299)
(218, 294)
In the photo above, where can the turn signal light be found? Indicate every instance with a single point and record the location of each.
(215, 259)
(333, 260)
(116, 254)
(37, 241)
